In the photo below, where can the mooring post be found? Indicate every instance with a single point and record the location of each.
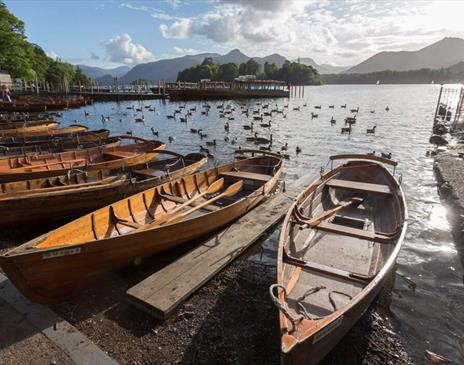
(438, 104)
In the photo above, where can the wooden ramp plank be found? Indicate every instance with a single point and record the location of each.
(161, 293)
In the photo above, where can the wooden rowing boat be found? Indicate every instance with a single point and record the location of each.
(24, 123)
(97, 158)
(337, 248)
(55, 147)
(87, 136)
(81, 192)
(52, 266)
(21, 107)
(30, 131)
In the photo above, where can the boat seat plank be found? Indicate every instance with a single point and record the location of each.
(178, 199)
(353, 232)
(161, 293)
(247, 175)
(327, 270)
(118, 154)
(150, 172)
(359, 186)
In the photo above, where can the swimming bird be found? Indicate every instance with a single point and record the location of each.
(266, 125)
(317, 106)
(171, 139)
(314, 115)
(140, 119)
(331, 106)
(387, 108)
(234, 141)
(332, 121)
(183, 119)
(298, 150)
(104, 119)
(248, 127)
(226, 127)
(201, 134)
(284, 147)
(355, 110)
(129, 133)
(372, 111)
(211, 143)
(386, 155)
(155, 133)
(88, 114)
(371, 130)
(346, 130)
(297, 108)
(193, 130)
(343, 106)
(226, 139)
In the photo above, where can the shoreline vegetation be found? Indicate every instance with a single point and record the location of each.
(291, 72)
(28, 61)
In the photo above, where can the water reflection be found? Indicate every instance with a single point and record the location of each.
(432, 316)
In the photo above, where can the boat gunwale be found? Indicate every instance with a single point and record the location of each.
(291, 340)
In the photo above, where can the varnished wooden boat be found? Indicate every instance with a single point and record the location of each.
(24, 123)
(87, 136)
(30, 131)
(55, 147)
(52, 266)
(337, 248)
(97, 158)
(77, 193)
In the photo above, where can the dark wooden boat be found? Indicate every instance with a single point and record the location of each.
(338, 246)
(97, 158)
(87, 136)
(21, 107)
(24, 123)
(52, 266)
(55, 147)
(31, 131)
(81, 192)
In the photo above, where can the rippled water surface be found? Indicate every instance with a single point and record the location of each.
(429, 317)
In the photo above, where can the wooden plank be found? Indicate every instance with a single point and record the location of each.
(161, 293)
(353, 232)
(73, 343)
(359, 186)
(247, 175)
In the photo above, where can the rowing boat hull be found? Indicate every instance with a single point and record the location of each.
(69, 203)
(53, 274)
(58, 164)
(87, 136)
(310, 267)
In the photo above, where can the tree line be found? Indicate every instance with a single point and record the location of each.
(28, 61)
(291, 72)
(452, 74)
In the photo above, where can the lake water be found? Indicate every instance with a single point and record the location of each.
(429, 317)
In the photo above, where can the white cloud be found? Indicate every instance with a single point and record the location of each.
(52, 55)
(185, 51)
(344, 32)
(122, 49)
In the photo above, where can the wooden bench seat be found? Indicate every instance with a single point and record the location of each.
(353, 232)
(327, 270)
(118, 154)
(247, 175)
(359, 186)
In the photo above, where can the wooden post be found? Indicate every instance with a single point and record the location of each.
(438, 104)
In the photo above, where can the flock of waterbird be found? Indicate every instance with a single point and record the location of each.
(256, 119)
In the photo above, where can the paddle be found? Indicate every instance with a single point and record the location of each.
(327, 213)
(213, 188)
(230, 191)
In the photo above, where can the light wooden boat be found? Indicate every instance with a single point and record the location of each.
(78, 193)
(97, 158)
(338, 246)
(55, 147)
(86, 136)
(30, 131)
(52, 266)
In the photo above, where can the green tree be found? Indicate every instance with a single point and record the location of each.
(80, 78)
(270, 70)
(252, 67)
(16, 54)
(227, 72)
(59, 73)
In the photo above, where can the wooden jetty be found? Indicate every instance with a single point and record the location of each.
(161, 293)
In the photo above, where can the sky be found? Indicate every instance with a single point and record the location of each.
(338, 32)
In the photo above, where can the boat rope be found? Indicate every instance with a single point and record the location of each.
(303, 297)
(333, 302)
(294, 321)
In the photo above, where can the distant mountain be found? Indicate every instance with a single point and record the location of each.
(97, 72)
(234, 56)
(322, 68)
(166, 70)
(105, 80)
(444, 53)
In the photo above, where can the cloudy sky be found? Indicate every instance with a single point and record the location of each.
(113, 33)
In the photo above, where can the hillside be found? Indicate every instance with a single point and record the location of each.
(97, 72)
(444, 53)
